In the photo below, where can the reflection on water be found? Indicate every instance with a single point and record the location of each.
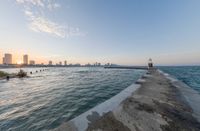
(51, 97)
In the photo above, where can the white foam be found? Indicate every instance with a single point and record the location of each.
(147, 76)
(169, 77)
(140, 81)
(191, 96)
(161, 72)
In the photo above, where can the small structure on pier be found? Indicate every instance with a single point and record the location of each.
(150, 63)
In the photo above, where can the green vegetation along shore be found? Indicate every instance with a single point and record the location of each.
(3, 74)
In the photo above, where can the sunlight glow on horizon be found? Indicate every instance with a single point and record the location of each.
(19, 62)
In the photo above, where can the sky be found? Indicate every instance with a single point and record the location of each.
(126, 32)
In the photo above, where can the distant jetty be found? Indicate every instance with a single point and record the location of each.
(157, 102)
(126, 67)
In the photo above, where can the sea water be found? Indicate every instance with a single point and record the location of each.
(48, 98)
(189, 75)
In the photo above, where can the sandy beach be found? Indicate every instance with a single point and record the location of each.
(158, 105)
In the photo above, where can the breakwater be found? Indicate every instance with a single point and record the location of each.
(161, 103)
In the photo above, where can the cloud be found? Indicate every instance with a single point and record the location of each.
(53, 6)
(40, 24)
(35, 13)
(32, 2)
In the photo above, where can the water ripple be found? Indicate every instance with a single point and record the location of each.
(49, 98)
(190, 75)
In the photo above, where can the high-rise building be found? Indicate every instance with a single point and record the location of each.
(65, 62)
(99, 64)
(32, 62)
(25, 59)
(50, 62)
(7, 59)
(3, 61)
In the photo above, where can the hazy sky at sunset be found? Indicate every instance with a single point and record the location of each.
(117, 31)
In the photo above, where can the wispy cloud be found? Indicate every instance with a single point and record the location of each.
(40, 24)
(32, 2)
(35, 12)
(53, 6)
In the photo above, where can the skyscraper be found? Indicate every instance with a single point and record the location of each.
(65, 62)
(32, 62)
(25, 59)
(7, 59)
(50, 62)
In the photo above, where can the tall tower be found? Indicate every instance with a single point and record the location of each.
(7, 59)
(25, 59)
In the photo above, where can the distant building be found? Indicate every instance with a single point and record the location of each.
(77, 65)
(50, 62)
(60, 63)
(25, 59)
(32, 62)
(3, 62)
(97, 64)
(150, 63)
(65, 62)
(7, 59)
(108, 64)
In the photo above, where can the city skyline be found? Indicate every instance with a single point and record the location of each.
(7, 59)
(126, 33)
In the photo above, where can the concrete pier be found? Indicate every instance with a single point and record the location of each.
(159, 103)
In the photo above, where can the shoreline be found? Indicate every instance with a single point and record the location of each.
(160, 103)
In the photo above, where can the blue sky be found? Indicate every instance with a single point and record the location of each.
(122, 32)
